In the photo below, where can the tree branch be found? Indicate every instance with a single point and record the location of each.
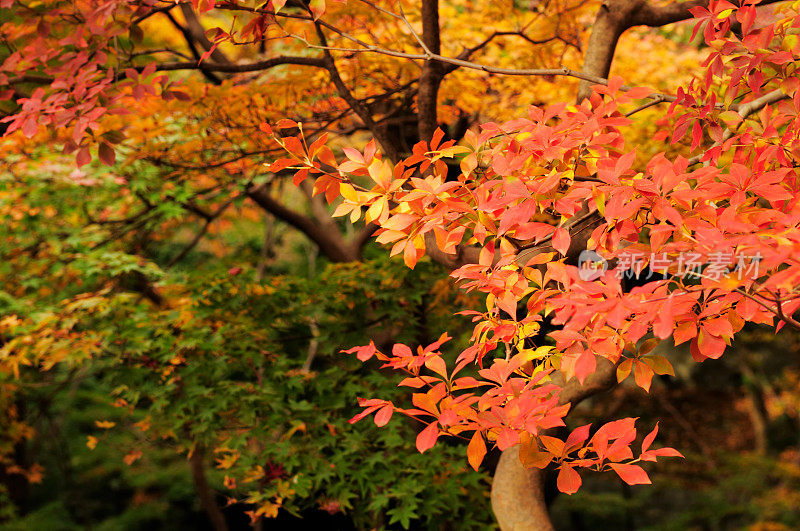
(204, 491)
(389, 148)
(617, 16)
(198, 33)
(432, 72)
(328, 245)
(235, 68)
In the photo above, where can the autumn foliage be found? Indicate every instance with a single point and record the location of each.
(730, 204)
(544, 215)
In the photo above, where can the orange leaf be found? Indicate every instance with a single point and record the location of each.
(568, 480)
(132, 457)
(476, 450)
(383, 415)
(624, 369)
(643, 375)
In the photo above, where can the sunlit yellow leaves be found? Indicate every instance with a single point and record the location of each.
(538, 353)
(104, 424)
(226, 457)
(264, 510)
(378, 211)
(450, 152)
(298, 427)
(348, 192)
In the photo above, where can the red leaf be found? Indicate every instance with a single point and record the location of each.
(561, 240)
(383, 415)
(578, 436)
(507, 438)
(664, 324)
(666, 452)
(106, 154)
(363, 353)
(585, 365)
(697, 134)
(710, 346)
(631, 474)
(648, 440)
(29, 128)
(427, 437)
(83, 157)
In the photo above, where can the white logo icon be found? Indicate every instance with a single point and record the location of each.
(591, 265)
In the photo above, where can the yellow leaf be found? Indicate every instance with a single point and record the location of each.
(348, 192)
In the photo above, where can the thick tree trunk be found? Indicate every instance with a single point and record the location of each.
(518, 495)
(517, 492)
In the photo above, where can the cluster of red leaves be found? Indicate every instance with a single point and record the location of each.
(70, 65)
(68, 51)
(737, 215)
(515, 405)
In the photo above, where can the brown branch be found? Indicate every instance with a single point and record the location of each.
(456, 63)
(208, 220)
(235, 68)
(745, 110)
(198, 33)
(389, 148)
(362, 238)
(190, 43)
(432, 72)
(328, 244)
(611, 21)
(617, 16)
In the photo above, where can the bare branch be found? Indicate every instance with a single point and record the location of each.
(234, 68)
